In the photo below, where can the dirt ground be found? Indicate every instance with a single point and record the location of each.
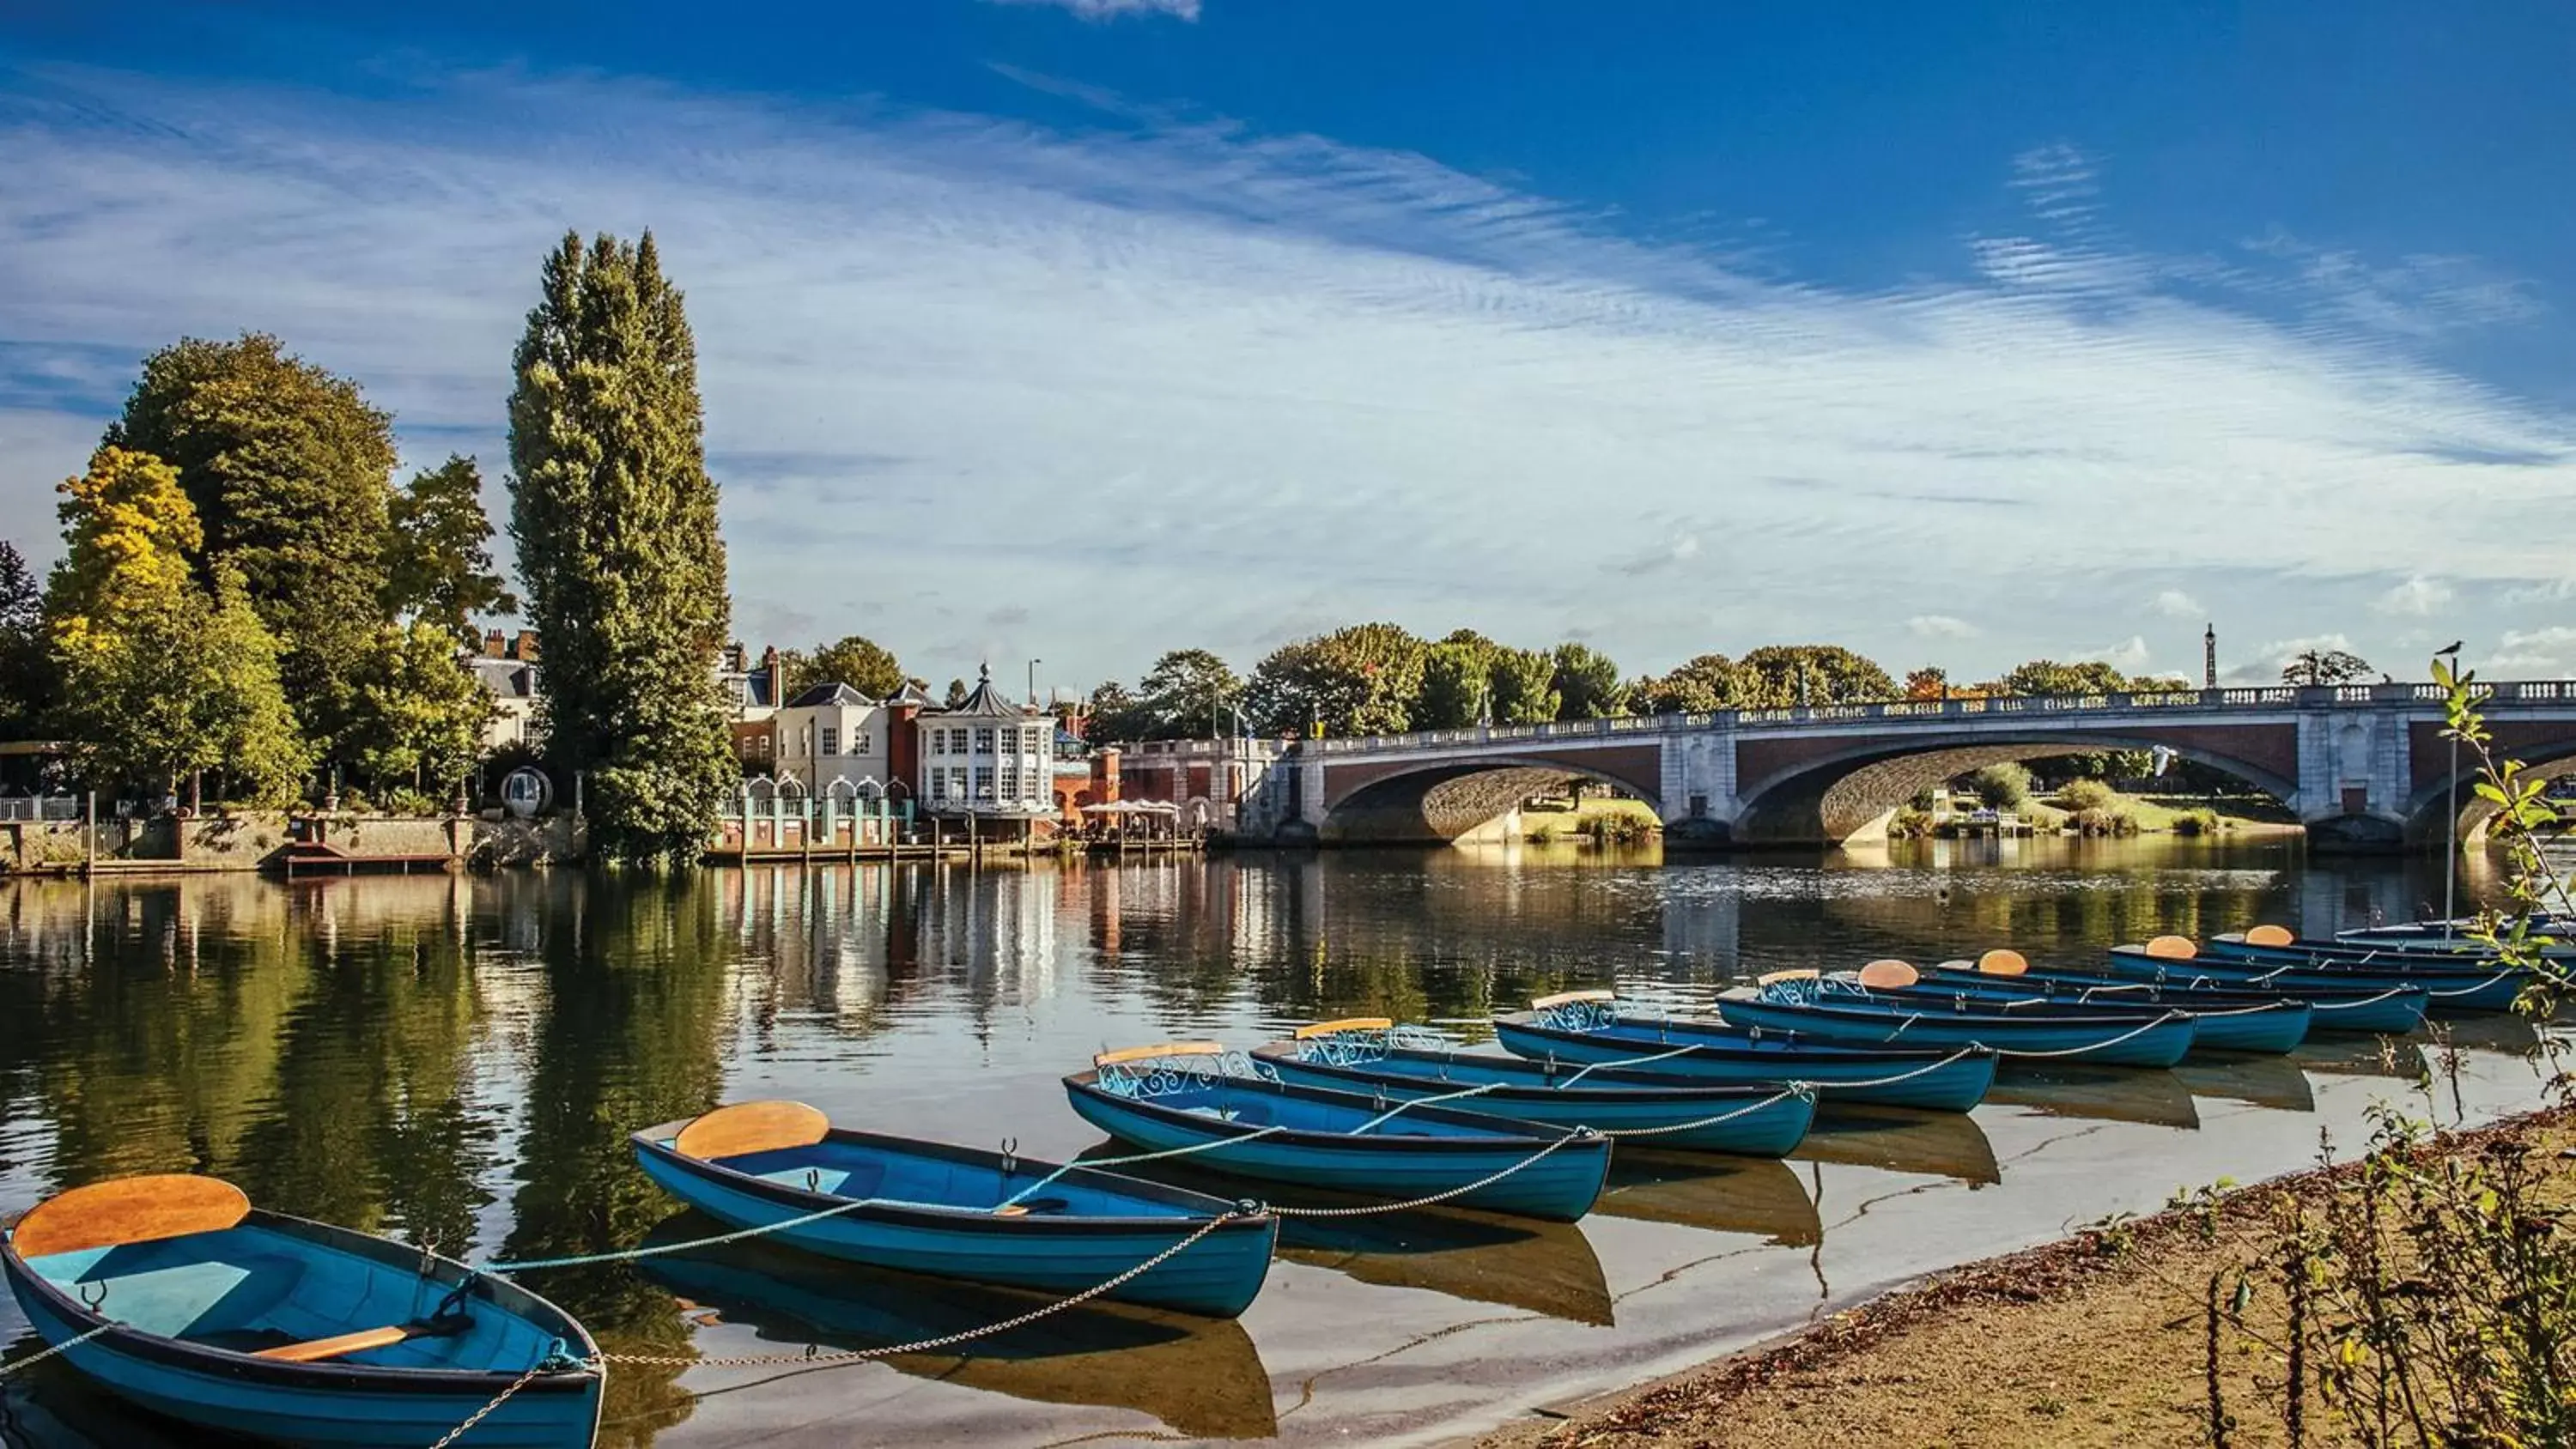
(2094, 1342)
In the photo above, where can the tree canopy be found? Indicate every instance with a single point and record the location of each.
(1587, 684)
(1361, 680)
(853, 659)
(289, 470)
(615, 521)
(163, 677)
(438, 559)
(26, 673)
(2325, 666)
(1779, 675)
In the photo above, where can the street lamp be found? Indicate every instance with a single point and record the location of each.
(1033, 682)
(2450, 810)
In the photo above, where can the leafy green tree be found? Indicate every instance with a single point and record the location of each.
(1183, 695)
(2324, 666)
(1361, 680)
(163, 678)
(26, 670)
(854, 660)
(1114, 714)
(2003, 787)
(1779, 675)
(423, 713)
(2047, 676)
(956, 693)
(438, 559)
(1523, 684)
(289, 470)
(615, 521)
(1707, 682)
(1587, 684)
(1454, 684)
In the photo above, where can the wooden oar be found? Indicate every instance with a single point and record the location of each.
(314, 1350)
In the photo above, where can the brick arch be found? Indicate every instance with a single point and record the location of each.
(1836, 787)
(2546, 750)
(1448, 799)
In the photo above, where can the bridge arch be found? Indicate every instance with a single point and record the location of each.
(2427, 806)
(1844, 790)
(1437, 800)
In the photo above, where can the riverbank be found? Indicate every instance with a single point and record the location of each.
(2090, 1342)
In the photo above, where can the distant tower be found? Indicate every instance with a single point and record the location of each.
(2209, 657)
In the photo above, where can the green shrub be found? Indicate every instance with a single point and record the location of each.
(2083, 795)
(2005, 787)
(1909, 823)
(2203, 821)
(2102, 820)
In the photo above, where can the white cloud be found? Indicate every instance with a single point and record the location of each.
(2129, 656)
(2544, 653)
(1117, 9)
(1232, 386)
(1940, 626)
(2417, 597)
(2175, 604)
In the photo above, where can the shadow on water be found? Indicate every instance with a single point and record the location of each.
(1902, 1139)
(53, 1407)
(1200, 1376)
(1711, 1191)
(2150, 1098)
(2270, 1081)
(1544, 1268)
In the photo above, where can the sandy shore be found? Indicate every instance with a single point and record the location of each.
(2085, 1343)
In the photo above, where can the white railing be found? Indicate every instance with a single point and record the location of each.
(2272, 697)
(47, 807)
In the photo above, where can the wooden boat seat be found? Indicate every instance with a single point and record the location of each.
(1158, 1050)
(2269, 935)
(338, 1346)
(1802, 973)
(2003, 961)
(129, 1210)
(749, 1127)
(1348, 1023)
(1569, 998)
(1889, 973)
(2172, 948)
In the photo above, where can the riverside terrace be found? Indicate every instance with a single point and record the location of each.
(2364, 766)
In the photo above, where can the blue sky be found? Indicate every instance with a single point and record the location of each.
(1085, 328)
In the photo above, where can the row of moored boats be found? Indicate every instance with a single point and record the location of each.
(178, 1294)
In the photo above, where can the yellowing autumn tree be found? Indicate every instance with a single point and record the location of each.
(163, 679)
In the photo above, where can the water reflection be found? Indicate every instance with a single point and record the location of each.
(1199, 1376)
(1902, 1139)
(458, 1059)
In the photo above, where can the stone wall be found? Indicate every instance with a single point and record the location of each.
(250, 839)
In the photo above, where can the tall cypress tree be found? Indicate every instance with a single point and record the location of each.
(615, 521)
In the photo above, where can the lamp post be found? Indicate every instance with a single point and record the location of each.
(2450, 810)
(1033, 682)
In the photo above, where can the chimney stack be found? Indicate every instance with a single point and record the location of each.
(777, 671)
(492, 645)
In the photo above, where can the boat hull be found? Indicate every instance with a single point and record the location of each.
(321, 1404)
(1675, 1116)
(2342, 1008)
(2445, 989)
(1560, 1186)
(1723, 1054)
(2264, 1027)
(1217, 1276)
(2120, 1042)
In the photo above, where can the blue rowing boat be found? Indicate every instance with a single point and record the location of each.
(1799, 1001)
(2266, 1025)
(2447, 985)
(1236, 1116)
(1370, 1054)
(2394, 1010)
(1586, 1027)
(957, 1212)
(175, 1294)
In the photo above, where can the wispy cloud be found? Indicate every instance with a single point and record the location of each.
(1940, 626)
(2544, 653)
(1223, 386)
(2416, 598)
(2175, 604)
(1117, 9)
(2129, 656)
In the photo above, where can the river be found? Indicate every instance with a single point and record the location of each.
(460, 1058)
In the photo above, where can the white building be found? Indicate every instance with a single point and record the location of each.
(988, 757)
(833, 739)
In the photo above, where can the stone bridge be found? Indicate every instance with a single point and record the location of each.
(2362, 766)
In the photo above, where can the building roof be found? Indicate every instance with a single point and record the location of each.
(814, 696)
(504, 678)
(986, 701)
(912, 694)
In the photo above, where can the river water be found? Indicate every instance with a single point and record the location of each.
(460, 1059)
